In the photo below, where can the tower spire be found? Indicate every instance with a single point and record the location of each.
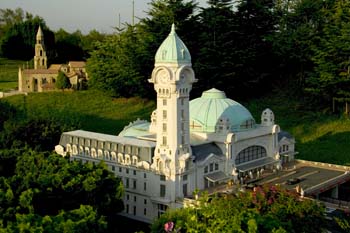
(40, 58)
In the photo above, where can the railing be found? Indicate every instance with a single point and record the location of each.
(340, 203)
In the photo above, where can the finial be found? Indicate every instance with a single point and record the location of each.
(172, 29)
(40, 32)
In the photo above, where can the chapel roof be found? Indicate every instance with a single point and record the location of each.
(40, 71)
(77, 64)
(55, 66)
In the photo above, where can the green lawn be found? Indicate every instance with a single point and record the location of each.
(9, 73)
(323, 137)
(88, 110)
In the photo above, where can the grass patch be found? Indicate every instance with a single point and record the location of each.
(88, 110)
(6, 86)
(9, 73)
(322, 137)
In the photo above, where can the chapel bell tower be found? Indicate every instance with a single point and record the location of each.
(172, 77)
(40, 59)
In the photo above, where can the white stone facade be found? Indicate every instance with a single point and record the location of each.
(186, 147)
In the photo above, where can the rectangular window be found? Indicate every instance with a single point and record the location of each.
(134, 172)
(144, 175)
(164, 141)
(113, 168)
(187, 165)
(162, 190)
(144, 186)
(144, 211)
(164, 102)
(127, 170)
(182, 101)
(127, 208)
(182, 114)
(182, 139)
(216, 166)
(127, 197)
(135, 199)
(134, 210)
(134, 184)
(161, 209)
(211, 167)
(126, 182)
(164, 115)
(206, 169)
(145, 201)
(183, 126)
(184, 177)
(120, 169)
(162, 177)
(164, 127)
(184, 189)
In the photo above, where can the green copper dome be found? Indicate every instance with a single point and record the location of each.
(213, 112)
(173, 50)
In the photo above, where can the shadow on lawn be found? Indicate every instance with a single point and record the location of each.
(330, 148)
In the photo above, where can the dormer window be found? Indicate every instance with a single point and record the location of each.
(183, 53)
(163, 54)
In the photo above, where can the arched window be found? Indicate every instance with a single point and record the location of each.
(100, 153)
(69, 148)
(93, 153)
(75, 150)
(250, 153)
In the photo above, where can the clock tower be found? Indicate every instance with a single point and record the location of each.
(172, 77)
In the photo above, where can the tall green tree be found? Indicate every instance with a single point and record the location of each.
(253, 59)
(68, 46)
(300, 24)
(115, 65)
(214, 62)
(331, 77)
(19, 40)
(123, 62)
(62, 81)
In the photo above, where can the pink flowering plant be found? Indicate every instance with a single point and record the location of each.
(168, 227)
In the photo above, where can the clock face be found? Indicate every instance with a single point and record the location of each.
(163, 76)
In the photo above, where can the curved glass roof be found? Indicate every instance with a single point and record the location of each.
(136, 130)
(214, 108)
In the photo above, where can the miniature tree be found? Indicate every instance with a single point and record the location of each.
(62, 81)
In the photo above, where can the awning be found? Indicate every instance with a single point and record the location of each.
(256, 164)
(217, 176)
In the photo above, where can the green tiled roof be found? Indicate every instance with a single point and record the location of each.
(212, 106)
(173, 50)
